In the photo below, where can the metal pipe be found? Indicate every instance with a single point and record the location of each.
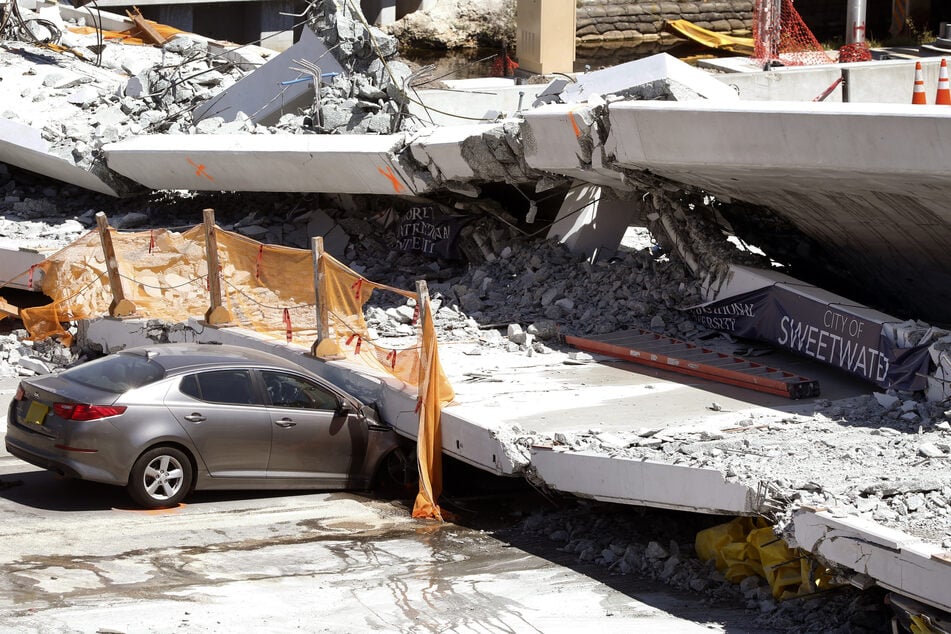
(855, 22)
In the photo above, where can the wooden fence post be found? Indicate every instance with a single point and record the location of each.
(422, 297)
(120, 306)
(216, 313)
(323, 329)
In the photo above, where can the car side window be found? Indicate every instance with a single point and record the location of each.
(221, 386)
(288, 390)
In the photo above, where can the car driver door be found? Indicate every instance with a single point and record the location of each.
(311, 438)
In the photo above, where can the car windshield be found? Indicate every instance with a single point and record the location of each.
(117, 373)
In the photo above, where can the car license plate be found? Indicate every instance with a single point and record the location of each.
(37, 413)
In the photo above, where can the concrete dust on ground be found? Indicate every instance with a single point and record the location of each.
(79, 560)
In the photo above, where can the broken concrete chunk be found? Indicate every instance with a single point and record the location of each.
(83, 96)
(34, 365)
(656, 551)
(543, 329)
(930, 450)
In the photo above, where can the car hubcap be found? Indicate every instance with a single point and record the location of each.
(163, 477)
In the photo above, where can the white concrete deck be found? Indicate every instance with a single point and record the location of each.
(25, 147)
(360, 164)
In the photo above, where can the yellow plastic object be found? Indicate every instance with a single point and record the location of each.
(711, 39)
(748, 546)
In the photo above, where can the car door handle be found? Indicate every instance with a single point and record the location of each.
(194, 418)
(285, 422)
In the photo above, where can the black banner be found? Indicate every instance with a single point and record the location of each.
(429, 230)
(826, 332)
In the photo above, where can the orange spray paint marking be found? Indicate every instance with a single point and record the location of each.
(200, 170)
(388, 172)
(574, 125)
(167, 511)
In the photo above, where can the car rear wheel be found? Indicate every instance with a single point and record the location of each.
(160, 478)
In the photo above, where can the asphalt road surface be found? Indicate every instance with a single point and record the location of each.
(76, 557)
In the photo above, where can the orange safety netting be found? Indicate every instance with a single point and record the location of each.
(266, 288)
(781, 35)
(164, 274)
(344, 293)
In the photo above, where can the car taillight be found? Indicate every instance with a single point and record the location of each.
(19, 395)
(81, 411)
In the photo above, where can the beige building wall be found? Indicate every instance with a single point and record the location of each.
(546, 35)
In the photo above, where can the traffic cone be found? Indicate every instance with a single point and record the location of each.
(918, 97)
(943, 98)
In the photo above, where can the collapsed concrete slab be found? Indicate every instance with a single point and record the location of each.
(640, 482)
(895, 560)
(592, 220)
(15, 264)
(25, 147)
(360, 164)
(815, 184)
(658, 77)
(277, 88)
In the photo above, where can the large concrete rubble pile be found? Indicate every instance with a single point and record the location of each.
(101, 91)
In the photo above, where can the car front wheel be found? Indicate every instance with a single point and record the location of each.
(160, 478)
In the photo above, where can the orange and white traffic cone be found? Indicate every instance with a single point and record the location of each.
(918, 96)
(943, 98)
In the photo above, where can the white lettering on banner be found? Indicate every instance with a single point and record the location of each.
(830, 347)
(416, 243)
(736, 308)
(417, 232)
(837, 322)
(717, 323)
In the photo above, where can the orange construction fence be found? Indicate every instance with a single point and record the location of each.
(280, 292)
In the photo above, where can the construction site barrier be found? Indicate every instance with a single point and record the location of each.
(280, 292)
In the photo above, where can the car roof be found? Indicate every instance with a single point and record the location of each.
(174, 357)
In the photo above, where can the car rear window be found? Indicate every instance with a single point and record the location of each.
(117, 373)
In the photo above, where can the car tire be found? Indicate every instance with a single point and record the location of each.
(160, 478)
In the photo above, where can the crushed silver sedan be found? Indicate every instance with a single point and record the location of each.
(164, 420)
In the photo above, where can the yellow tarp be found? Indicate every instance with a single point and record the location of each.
(748, 546)
(434, 392)
(711, 39)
